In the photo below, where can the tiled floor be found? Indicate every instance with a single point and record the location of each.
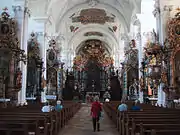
(81, 124)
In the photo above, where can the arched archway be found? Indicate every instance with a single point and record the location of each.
(93, 65)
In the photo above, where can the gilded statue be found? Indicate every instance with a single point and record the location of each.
(164, 77)
(19, 79)
(43, 83)
(141, 82)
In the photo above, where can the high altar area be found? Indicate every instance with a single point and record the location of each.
(69, 49)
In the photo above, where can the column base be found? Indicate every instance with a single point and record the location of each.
(21, 101)
(43, 95)
(141, 97)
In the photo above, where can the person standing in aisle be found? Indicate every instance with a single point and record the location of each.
(96, 110)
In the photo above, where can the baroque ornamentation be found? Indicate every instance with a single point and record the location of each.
(137, 22)
(16, 8)
(93, 33)
(168, 8)
(95, 50)
(152, 64)
(156, 11)
(174, 31)
(124, 37)
(33, 48)
(19, 8)
(93, 3)
(8, 36)
(93, 15)
(11, 54)
(73, 28)
(173, 48)
(52, 54)
(138, 36)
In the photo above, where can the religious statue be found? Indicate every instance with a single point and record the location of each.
(164, 77)
(19, 79)
(4, 29)
(133, 43)
(141, 82)
(153, 60)
(51, 55)
(177, 29)
(43, 83)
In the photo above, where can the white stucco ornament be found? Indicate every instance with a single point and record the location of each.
(93, 3)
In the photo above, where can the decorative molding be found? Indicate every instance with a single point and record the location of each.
(16, 8)
(134, 18)
(73, 28)
(92, 3)
(137, 23)
(8, 36)
(168, 8)
(93, 15)
(20, 9)
(33, 48)
(40, 33)
(124, 37)
(27, 11)
(138, 36)
(156, 12)
(93, 33)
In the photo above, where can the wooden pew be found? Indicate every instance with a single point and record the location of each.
(34, 121)
(150, 116)
(158, 129)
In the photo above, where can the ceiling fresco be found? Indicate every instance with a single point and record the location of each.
(93, 15)
(93, 33)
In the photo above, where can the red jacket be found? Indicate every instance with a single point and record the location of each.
(95, 109)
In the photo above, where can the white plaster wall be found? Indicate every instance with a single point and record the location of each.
(147, 19)
(8, 4)
(165, 15)
(32, 26)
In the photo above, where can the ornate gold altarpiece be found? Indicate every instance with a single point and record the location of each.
(10, 56)
(174, 46)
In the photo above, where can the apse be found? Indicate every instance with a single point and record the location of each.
(92, 67)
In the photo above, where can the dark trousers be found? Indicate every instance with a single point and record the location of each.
(96, 123)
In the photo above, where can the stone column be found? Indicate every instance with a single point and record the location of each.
(157, 15)
(166, 16)
(43, 48)
(125, 40)
(137, 26)
(140, 57)
(41, 29)
(162, 16)
(22, 15)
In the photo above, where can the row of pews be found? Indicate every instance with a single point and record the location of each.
(151, 120)
(29, 120)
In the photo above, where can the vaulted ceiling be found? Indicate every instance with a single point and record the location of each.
(81, 20)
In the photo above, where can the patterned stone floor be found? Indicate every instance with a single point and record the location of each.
(81, 124)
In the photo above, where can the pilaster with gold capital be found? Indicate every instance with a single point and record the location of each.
(22, 16)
